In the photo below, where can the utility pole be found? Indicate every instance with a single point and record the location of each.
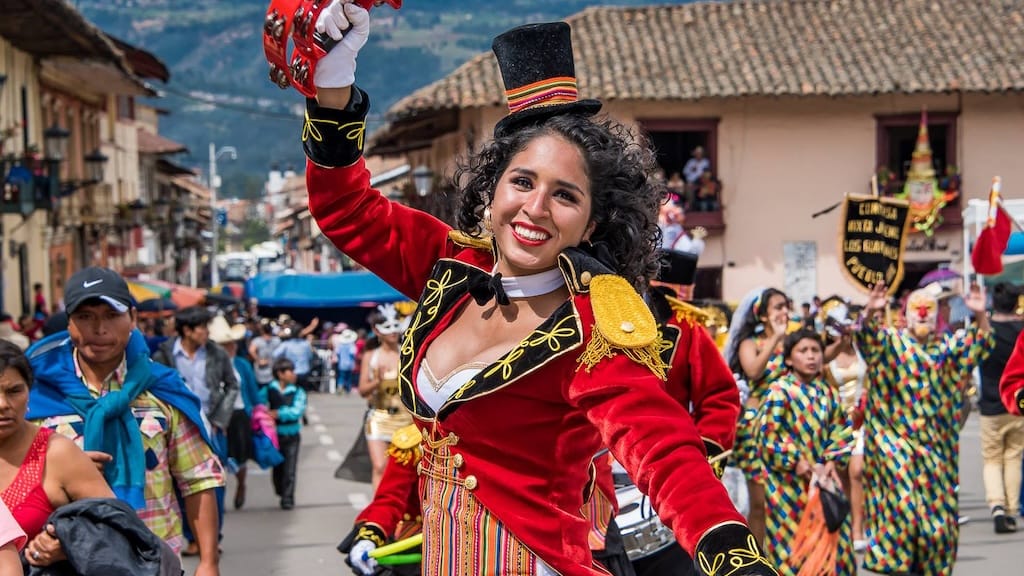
(214, 223)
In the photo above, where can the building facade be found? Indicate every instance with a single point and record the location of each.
(790, 122)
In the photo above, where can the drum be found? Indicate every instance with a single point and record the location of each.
(642, 532)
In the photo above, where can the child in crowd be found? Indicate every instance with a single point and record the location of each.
(287, 405)
(805, 433)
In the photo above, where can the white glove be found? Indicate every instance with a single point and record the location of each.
(357, 557)
(338, 68)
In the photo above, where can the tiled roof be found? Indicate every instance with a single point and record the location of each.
(150, 143)
(772, 48)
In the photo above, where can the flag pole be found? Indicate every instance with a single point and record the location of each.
(996, 192)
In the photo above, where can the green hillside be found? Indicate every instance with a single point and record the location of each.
(215, 53)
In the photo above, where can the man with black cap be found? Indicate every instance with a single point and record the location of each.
(96, 385)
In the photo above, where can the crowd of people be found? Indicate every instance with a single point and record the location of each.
(552, 365)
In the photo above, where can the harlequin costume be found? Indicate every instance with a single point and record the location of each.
(911, 435)
(1011, 385)
(797, 421)
(506, 457)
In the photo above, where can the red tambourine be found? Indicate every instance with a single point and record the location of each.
(295, 19)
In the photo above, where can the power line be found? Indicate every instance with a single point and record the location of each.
(370, 118)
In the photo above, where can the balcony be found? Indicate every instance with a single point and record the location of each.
(713, 222)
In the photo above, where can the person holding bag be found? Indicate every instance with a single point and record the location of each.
(804, 432)
(530, 348)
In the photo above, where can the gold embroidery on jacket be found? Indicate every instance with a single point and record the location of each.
(736, 558)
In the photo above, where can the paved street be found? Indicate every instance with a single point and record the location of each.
(262, 540)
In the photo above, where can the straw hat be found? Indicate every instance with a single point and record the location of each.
(348, 336)
(221, 332)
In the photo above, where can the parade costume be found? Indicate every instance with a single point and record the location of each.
(911, 437)
(747, 456)
(1011, 386)
(387, 415)
(394, 512)
(506, 457)
(800, 420)
(701, 382)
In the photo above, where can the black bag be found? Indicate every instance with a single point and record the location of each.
(835, 505)
(357, 466)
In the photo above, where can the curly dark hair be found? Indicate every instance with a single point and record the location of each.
(619, 164)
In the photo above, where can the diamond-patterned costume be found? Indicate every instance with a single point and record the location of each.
(911, 434)
(800, 420)
(747, 452)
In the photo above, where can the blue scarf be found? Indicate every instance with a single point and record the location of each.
(110, 425)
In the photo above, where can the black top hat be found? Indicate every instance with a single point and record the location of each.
(537, 68)
(677, 267)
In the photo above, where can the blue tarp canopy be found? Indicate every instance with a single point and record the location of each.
(1016, 245)
(344, 290)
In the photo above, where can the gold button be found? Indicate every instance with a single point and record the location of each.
(419, 468)
(471, 483)
(419, 518)
(627, 327)
(453, 438)
(458, 461)
(585, 278)
(407, 517)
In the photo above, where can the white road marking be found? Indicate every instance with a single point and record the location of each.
(326, 440)
(320, 428)
(333, 456)
(314, 418)
(358, 500)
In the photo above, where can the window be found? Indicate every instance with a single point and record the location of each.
(897, 136)
(676, 142)
(708, 284)
(125, 108)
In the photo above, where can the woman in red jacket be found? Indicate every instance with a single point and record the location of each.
(529, 349)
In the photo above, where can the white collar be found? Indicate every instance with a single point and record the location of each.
(533, 285)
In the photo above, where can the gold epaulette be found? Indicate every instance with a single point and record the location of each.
(460, 238)
(686, 312)
(622, 323)
(405, 445)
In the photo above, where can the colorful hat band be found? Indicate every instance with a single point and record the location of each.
(561, 90)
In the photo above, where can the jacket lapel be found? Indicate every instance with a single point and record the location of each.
(446, 290)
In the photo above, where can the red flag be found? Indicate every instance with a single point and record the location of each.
(987, 255)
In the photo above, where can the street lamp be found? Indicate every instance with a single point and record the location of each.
(95, 163)
(55, 143)
(422, 179)
(214, 184)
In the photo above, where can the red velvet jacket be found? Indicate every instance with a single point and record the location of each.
(1011, 385)
(528, 426)
(699, 377)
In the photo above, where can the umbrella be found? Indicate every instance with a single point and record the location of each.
(157, 305)
(183, 296)
(939, 275)
(143, 291)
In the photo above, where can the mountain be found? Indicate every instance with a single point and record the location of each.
(219, 90)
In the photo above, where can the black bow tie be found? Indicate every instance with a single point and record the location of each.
(484, 287)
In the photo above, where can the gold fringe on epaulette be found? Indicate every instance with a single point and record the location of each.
(405, 456)
(600, 348)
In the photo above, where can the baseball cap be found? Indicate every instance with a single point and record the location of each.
(96, 283)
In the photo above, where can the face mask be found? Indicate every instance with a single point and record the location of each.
(922, 314)
(391, 324)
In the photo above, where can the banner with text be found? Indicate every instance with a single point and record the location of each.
(874, 232)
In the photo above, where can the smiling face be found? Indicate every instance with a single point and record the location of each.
(777, 311)
(100, 333)
(542, 205)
